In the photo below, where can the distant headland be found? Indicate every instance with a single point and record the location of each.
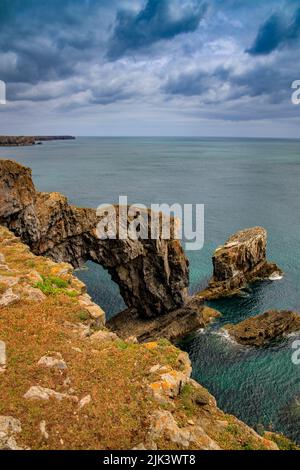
(18, 141)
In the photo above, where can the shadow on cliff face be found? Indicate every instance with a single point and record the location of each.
(152, 275)
(101, 288)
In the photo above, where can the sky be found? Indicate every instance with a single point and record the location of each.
(150, 67)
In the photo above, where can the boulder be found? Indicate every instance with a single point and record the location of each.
(102, 336)
(9, 427)
(165, 427)
(8, 298)
(41, 393)
(53, 361)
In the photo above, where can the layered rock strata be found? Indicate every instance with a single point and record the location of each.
(152, 275)
(241, 261)
(177, 324)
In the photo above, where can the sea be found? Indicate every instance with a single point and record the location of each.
(242, 183)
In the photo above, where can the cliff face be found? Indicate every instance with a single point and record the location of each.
(152, 275)
(16, 141)
(67, 383)
(20, 141)
(240, 261)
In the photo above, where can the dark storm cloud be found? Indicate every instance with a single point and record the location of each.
(44, 40)
(195, 82)
(268, 83)
(158, 20)
(101, 56)
(276, 32)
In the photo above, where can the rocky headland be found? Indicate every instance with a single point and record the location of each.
(261, 330)
(69, 383)
(153, 275)
(21, 141)
(240, 262)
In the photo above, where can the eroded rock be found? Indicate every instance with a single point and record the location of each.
(240, 261)
(262, 329)
(53, 361)
(45, 394)
(33, 294)
(164, 426)
(9, 427)
(177, 324)
(152, 274)
(9, 298)
(43, 429)
(103, 336)
(85, 401)
(2, 357)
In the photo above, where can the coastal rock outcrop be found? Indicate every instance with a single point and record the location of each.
(240, 261)
(55, 405)
(262, 329)
(177, 324)
(21, 141)
(152, 275)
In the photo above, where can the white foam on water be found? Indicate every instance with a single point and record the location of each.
(225, 335)
(201, 331)
(276, 277)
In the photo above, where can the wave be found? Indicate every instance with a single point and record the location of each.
(276, 277)
(223, 333)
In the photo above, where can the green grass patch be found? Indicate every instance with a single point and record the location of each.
(186, 398)
(51, 285)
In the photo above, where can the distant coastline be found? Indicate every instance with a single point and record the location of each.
(21, 141)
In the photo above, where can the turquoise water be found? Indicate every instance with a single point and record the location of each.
(242, 183)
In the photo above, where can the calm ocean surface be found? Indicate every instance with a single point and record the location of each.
(242, 183)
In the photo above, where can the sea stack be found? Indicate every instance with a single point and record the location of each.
(240, 261)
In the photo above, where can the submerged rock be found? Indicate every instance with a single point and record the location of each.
(240, 261)
(262, 329)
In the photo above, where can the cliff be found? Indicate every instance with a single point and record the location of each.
(69, 383)
(17, 141)
(152, 275)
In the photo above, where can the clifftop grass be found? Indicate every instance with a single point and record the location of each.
(116, 374)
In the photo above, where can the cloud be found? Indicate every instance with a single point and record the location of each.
(158, 20)
(276, 32)
(48, 39)
(91, 59)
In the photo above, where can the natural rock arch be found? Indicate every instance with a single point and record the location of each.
(152, 275)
